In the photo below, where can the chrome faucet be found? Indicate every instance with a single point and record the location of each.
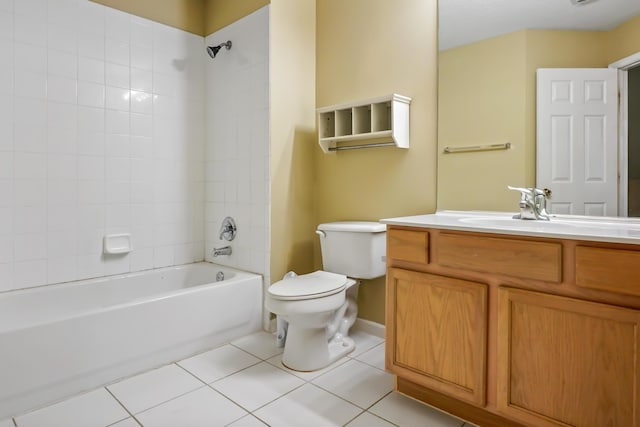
(226, 250)
(533, 203)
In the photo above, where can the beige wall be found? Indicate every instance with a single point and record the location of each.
(498, 103)
(201, 17)
(623, 40)
(481, 101)
(220, 13)
(292, 57)
(368, 48)
(184, 14)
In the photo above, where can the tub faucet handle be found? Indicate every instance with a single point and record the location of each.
(228, 229)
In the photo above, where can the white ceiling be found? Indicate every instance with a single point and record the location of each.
(466, 21)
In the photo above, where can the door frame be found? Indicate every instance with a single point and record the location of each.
(623, 66)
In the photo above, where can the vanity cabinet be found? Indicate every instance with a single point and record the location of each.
(440, 332)
(507, 330)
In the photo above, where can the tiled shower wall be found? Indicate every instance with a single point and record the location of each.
(101, 131)
(237, 143)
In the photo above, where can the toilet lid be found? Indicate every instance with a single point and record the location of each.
(307, 286)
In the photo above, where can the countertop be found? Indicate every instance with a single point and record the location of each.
(574, 227)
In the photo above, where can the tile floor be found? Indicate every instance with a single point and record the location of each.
(244, 384)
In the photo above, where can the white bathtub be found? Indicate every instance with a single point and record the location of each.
(59, 340)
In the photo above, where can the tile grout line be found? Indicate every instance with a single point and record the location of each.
(124, 407)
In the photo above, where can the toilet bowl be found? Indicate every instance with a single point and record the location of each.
(318, 318)
(320, 307)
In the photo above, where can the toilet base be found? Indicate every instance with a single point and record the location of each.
(308, 350)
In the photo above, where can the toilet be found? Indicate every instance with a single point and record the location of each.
(320, 307)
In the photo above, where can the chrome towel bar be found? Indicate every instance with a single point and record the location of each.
(490, 147)
(356, 147)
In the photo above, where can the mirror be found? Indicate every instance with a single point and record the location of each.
(489, 53)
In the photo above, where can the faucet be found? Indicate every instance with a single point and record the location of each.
(533, 203)
(226, 250)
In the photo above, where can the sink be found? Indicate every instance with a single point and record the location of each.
(553, 224)
(514, 223)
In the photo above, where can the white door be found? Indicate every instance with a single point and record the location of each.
(577, 142)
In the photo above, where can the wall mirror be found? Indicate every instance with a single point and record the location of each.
(488, 56)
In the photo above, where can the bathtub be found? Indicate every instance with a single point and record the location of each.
(60, 340)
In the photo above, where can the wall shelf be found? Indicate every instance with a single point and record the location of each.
(370, 123)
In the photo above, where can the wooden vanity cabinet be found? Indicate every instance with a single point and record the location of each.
(505, 330)
(440, 332)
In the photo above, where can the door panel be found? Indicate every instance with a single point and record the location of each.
(563, 361)
(577, 115)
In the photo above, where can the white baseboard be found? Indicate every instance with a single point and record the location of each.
(369, 327)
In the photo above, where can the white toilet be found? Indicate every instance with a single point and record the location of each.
(320, 307)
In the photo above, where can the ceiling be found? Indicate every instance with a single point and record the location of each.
(467, 21)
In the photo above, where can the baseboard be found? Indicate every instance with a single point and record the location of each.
(369, 327)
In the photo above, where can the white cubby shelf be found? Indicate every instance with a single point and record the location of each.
(372, 123)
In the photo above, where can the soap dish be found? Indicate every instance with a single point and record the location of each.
(117, 244)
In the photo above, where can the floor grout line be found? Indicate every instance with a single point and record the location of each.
(252, 413)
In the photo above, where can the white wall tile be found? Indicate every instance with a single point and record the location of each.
(30, 28)
(141, 80)
(62, 89)
(29, 219)
(117, 98)
(6, 165)
(117, 25)
(62, 64)
(117, 122)
(6, 25)
(30, 84)
(29, 273)
(30, 111)
(141, 32)
(63, 37)
(31, 7)
(29, 247)
(29, 138)
(91, 45)
(91, 70)
(30, 192)
(80, 155)
(91, 19)
(142, 57)
(117, 52)
(91, 94)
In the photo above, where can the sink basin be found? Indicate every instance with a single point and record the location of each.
(554, 223)
(514, 223)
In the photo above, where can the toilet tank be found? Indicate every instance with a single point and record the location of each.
(353, 248)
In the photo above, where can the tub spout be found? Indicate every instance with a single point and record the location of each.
(226, 250)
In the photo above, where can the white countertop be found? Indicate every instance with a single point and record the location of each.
(598, 229)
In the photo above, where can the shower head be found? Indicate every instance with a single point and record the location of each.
(213, 50)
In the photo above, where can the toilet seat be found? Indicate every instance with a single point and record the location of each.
(308, 286)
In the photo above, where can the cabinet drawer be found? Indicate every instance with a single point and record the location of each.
(408, 245)
(517, 258)
(605, 269)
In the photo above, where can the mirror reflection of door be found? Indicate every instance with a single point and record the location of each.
(571, 145)
(634, 142)
(577, 139)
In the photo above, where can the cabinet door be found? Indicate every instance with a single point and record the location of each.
(563, 361)
(438, 331)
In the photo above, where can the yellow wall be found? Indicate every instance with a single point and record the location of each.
(292, 57)
(623, 40)
(368, 48)
(201, 17)
(220, 13)
(482, 102)
(184, 14)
